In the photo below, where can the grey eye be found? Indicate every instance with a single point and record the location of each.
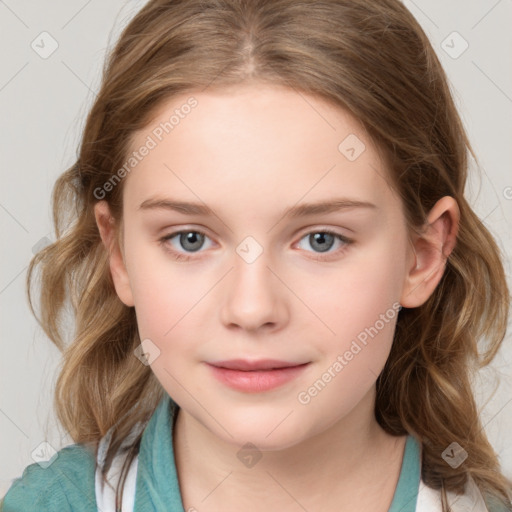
(322, 241)
(188, 241)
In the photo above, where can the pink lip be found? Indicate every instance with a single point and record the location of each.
(259, 376)
(247, 365)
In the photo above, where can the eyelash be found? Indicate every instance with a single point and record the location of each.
(181, 257)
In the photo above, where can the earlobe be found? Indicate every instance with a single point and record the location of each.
(431, 249)
(107, 228)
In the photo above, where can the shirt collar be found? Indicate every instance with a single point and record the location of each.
(157, 481)
(406, 492)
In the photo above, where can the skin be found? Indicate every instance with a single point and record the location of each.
(249, 153)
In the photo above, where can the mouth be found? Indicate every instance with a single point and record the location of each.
(255, 365)
(256, 376)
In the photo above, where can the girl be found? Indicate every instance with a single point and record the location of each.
(313, 347)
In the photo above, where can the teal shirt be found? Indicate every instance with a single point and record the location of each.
(68, 484)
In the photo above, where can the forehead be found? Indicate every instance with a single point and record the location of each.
(257, 145)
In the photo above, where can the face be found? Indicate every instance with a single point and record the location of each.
(257, 275)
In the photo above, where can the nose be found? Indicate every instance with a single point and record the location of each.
(253, 297)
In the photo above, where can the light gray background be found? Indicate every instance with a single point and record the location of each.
(43, 107)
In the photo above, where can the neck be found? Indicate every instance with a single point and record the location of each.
(351, 463)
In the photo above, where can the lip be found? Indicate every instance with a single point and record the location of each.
(257, 364)
(263, 375)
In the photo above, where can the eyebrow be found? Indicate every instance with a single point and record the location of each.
(301, 210)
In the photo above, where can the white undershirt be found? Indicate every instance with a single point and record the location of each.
(105, 495)
(429, 500)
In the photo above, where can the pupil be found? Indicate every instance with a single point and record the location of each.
(193, 238)
(320, 237)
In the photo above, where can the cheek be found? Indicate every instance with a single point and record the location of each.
(360, 305)
(165, 296)
(366, 286)
(168, 308)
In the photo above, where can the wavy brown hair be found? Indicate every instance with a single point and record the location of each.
(370, 57)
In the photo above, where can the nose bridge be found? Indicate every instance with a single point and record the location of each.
(251, 275)
(252, 297)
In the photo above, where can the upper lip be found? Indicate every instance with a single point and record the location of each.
(247, 365)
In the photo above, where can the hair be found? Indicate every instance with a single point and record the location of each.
(370, 58)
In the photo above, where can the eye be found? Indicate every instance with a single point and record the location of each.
(323, 240)
(190, 240)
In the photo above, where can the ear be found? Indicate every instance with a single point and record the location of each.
(431, 248)
(108, 232)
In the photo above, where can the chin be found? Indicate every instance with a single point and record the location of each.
(266, 434)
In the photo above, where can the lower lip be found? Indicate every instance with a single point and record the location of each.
(256, 381)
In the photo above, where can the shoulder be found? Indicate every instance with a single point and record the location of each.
(494, 505)
(429, 500)
(66, 484)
